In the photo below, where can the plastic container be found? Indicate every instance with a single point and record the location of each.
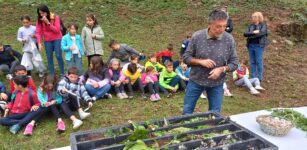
(201, 128)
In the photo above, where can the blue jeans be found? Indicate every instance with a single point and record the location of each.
(56, 47)
(75, 61)
(255, 52)
(97, 92)
(194, 90)
(20, 119)
(173, 83)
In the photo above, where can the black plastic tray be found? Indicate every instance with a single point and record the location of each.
(95, 139)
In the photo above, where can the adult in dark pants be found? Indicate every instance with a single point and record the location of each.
(256, 34)
(211, 53)
(9, 58)
(48, 26)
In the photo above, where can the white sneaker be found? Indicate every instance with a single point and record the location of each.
(76, 123)
(9, 76)
(259, 88)
(120, 96)
(84, 115)
(108, 95)
(203, 96)
(94, 98)
(124, 95)
(253, 91)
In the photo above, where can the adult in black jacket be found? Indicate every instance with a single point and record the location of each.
(9, 58)
(256, 34)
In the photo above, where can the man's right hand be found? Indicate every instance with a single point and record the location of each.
(208, 63)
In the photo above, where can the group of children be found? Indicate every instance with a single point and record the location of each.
(25, 104)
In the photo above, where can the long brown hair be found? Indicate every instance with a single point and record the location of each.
(49, 79)
(96, 64)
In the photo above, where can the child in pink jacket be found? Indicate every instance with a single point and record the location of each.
(150, 80)
(117, 78)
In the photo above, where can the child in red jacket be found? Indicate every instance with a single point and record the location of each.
(166, 55)
(23, 107)
(21, 70)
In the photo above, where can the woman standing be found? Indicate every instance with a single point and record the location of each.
(48, 26)
(256, 34)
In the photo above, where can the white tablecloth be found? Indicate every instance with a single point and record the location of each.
(296, 139)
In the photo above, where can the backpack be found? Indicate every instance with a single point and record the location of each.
(30, 97)
(62, 27)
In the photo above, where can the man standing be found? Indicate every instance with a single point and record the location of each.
(211, 53)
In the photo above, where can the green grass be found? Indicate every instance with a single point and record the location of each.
(149, 25)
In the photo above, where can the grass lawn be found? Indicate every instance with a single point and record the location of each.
(149, 25)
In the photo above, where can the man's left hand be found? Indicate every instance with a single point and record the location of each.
(216, 73)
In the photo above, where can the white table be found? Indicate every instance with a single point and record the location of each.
(295, 140)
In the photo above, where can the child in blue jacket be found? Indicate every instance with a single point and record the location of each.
(72, 46)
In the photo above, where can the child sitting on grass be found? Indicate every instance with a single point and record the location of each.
(50, 100)
(23, 107)
(134, 76)
(117, 78)
(150, 81)
(152, 61)
(169, 80)
(183, 71)
(185, 43)
(134, 59)
(166, 55)
(97, 79)
(21, 70)
(4, 98)
(122, 52)
(9, 58)
(241, 78)
(73, 91)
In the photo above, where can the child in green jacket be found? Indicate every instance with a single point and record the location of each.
(169, 80)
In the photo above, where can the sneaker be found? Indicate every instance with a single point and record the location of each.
(120, 96)
(130, 97)
(28, 130)
(15, 128)
(76, 123)
(227, 93)
(41, 74)
(9, 76)
(84, 115)
(60, 126)
(153, 98)
(125, 95)
(158, 96)
(108, 96)
(253, 91)
(259, 88)
(144, 96)
(203, 96)
(169, 95)
(94, 98)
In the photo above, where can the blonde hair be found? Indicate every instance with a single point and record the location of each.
(259, 16)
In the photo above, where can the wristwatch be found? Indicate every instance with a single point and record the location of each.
(224, 69)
